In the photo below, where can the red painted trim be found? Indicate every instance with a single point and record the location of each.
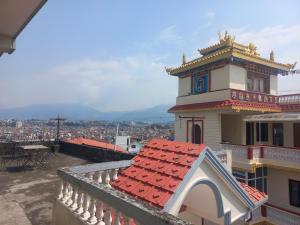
(262, 153)
(283, 209)
(263, 211)
(250, 153)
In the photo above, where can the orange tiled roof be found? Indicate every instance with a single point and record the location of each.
(157, 170)
(94, 143)
(253, 193)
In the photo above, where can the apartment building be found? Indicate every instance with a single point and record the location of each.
(228, 99)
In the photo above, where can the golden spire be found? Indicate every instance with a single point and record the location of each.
(183, 59)
(226, 38)
(272, 55)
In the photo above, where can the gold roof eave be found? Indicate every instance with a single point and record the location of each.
(225, 53)
(222, 54)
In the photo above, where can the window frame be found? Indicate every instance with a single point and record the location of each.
(195, 81)
(291, 193)
(261, 134)
(259, 83)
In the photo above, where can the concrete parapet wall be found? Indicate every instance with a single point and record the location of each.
(93, 154)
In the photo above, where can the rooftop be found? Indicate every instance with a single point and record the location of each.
(27, 196)
(94, 143)
(227, 48)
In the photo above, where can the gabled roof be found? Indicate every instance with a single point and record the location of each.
(157, 170)
(94, 143)
(160, 167)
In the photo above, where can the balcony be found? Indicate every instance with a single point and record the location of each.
(85, 197)
(269, 155)
(275, 215)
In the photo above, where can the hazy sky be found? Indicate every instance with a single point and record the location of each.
(111, 55)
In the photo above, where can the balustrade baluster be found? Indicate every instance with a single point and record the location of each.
(99, 177)
(107, 178)
(74, 198)
(99, 212)
(66, 193)
(86, 200)
(70, 193)
(92, 210)
(107, 215)
(61, 190)
(79, 202)
(115, 174)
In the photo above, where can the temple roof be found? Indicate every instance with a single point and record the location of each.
(226, 49)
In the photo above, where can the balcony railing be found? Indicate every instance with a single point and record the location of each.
(289, 99)
(275, 215)
(280, 216)
(253, 96)
(86, 193)
(267, 154)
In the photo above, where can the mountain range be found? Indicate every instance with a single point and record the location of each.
(79, 112)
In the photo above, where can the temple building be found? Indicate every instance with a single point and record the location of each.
(228, 99)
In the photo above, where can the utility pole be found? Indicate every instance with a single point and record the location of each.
(58, 119)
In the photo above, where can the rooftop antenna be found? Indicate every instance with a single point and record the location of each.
(116, 136)
(58, 119)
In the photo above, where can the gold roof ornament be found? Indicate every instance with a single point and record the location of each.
(228, 48)
(272, 56)
(183, 59)
(226, 38)
(252, 49)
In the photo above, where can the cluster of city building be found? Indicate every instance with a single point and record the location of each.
(30, 130)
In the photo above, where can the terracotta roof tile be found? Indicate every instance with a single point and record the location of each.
(157, 170)
(254, 194)
(94, 143)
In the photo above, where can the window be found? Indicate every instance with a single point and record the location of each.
(278, 134)
(261, 132)
(294, 189)
(257, 82)
(257, 179)
(200, 84)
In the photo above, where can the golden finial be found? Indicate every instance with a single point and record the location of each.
(228, 39)
(252, 48)
(272, 55)
(183, 59)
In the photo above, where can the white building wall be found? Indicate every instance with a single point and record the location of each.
(211, 127)
(238, 77)
(273, 85)
(220, 78)
(184, 86)
(278, 187)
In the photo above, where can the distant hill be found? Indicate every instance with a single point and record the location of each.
(80, 112)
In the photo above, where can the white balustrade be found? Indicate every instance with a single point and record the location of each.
(78, 193)
(281, 217)
(282, 154)
(238, 151)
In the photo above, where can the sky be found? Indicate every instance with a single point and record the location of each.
(111, 55)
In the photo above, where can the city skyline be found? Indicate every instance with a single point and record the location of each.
(115, 61)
